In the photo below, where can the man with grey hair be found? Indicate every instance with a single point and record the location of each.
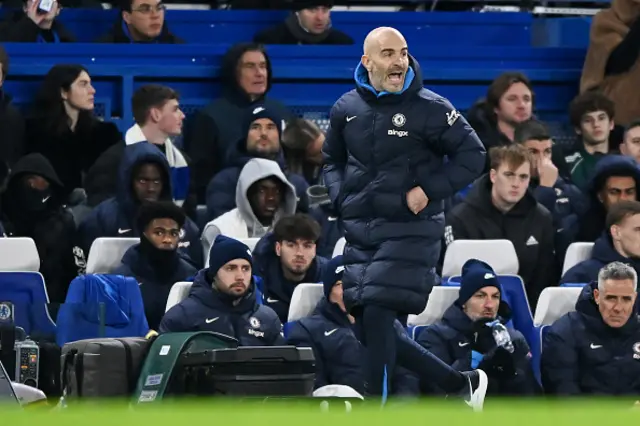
(596, 349)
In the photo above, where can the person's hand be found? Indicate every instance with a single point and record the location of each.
(44, 21)
(547, 172)
(417, 200)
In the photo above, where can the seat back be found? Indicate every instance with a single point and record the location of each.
(105, 254)
(554, 302)
(19, 254)
(500, 254)
(440, 299)
(339, 248)
(179, 292)
(304, 300)
(28, 294)
(576, 253)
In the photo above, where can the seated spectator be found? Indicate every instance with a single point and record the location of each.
(630, 145)
(262, 140)
(245, 78)
(591, 115)
(223, 300)
(616, 178)
(302, 146)
(463, 338)
(158, 118)
(11, 120)
(32, 25)
(62, 126)
(155, 262)
(500, 206)
(286, 258)
(619, 243)
(263, 195)
(141, 21)
(594, 350)
(33, 207)
(310, 23)
(144, 175)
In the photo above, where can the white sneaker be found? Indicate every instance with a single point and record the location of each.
(478, 382)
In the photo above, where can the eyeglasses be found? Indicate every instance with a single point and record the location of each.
(146, 9)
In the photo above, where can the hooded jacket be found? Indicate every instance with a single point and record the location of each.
(207, 309)
(116, 217)
(581, 355)
(119, 33)
(41, 216)
(602, 254)
(242, 222)
(276, 289)
(528, 225)
(380, 146)
(220, 124)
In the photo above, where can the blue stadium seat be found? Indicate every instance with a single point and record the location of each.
(28, 294)
(573, 284)
(536, 350)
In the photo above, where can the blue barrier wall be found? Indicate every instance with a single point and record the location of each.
(308, 79)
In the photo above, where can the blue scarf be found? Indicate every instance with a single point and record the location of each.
(56, 38)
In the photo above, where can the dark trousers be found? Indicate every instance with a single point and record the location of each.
(387, 343)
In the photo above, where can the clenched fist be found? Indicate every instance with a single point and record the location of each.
(417, 200)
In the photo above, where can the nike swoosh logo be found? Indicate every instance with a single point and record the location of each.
(595, 346)
(270, 300)
(44, 200)
(462, 344)
(351, 118)
(210, 320)
(123, 231)
(329, 333)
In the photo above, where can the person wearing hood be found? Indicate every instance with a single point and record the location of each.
(263, 195)
(141, 21)
(33, 207)
(388, 182)
(309, 23)
(155, 262)
(223, 300)
(595, 350)
(31, 25)
(261, 139)
(500, 206)
(619, 243)
(286, 258)
(246, 78)
(144, 175)
(463, 337)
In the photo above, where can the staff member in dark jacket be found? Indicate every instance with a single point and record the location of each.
(596, 349)
(385, 171)
(223, 300)
(464, 340)
(500, 207)
(155, 263)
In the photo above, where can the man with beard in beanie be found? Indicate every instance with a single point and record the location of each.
(463, 337)
(385, 170)
(223, 300)
(310, 23)
(261, 139)
(155, 262)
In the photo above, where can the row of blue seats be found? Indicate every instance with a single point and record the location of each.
(308, 79)
(430, 29)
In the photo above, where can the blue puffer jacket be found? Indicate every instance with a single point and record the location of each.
(378, 147)
(331, 229)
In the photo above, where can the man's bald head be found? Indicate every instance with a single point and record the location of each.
(386, 59)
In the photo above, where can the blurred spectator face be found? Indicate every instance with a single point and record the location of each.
(147, 182)
(169, 117)
(386, 59)
(615, 302)
(80, 95)
(316, 20)
(234, 277)
(263, 138)
(49, 17)
(509, 185)
(617, 188)
(145, 20)
(626, 236)
(540, 150)
(631, 144)
(515, 104)
(296, 256)
(336, 296)
(265, 197)
(164, 234)
(253, 74)
(483, 304)
(595, 127)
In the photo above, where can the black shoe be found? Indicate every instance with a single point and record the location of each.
(476, 388)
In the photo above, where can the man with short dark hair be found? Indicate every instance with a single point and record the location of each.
(287, 257)
(141, 21)
(630, 145)
(155, 262)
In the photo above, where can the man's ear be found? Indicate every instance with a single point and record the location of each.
(126, 17)
(278, 248)
(596, 296)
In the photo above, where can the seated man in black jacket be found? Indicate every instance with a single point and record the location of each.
(155, 262)
(464, 340)
(141, 21)
(596, 349)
